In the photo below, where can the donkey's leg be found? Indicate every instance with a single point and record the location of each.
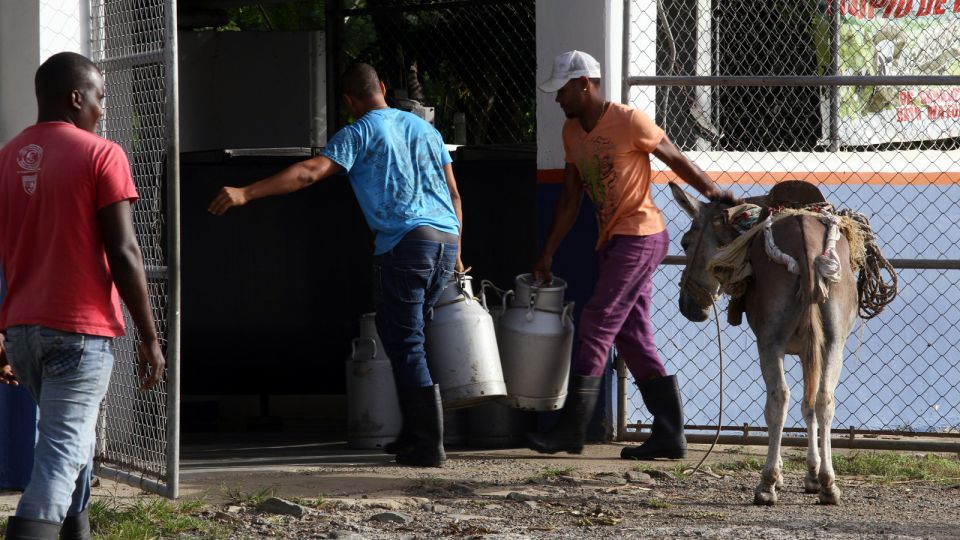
(833, 362)
(775, 412)
(810, 482)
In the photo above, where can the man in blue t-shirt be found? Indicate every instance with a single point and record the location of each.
(400, 171)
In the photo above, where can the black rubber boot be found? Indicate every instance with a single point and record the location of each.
(76, 527)
(405, 442)
(662, 398)
(423, 420)
(570, 433)
(19, 528)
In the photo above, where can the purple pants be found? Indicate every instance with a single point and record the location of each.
(619, 310)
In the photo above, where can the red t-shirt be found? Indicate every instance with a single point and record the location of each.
(54, 178)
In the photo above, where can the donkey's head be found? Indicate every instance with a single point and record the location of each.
(708, 233)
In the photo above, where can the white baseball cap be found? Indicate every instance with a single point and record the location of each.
(571, 65)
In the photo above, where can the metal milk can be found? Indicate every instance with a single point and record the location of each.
(461, 347)
(535, 337)
(373, 408)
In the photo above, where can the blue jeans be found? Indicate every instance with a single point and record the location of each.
(67, 375)
(407, 281)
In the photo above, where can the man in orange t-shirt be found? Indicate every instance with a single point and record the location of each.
(608, 147)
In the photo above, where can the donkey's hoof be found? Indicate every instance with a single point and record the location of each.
(765, 496)
(830, 495)
(779, 483)
(811, 485)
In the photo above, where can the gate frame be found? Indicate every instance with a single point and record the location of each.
(170, 488)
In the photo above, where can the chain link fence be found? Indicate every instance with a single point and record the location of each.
(472, 62)
(137, 432)
(862, 98)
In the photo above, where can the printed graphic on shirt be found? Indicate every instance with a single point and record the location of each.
(599, 176)
(29, 159)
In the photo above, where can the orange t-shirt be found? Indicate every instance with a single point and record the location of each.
(614, 164)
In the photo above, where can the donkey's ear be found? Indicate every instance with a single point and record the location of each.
(689, 204)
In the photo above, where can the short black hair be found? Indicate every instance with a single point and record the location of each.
(61, 74)
(360, 81)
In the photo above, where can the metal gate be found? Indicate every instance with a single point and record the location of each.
(134, 42)
(861, 97)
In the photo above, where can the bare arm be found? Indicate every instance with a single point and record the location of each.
(568, 208)
(455, 199)
(688, 171)
(126, 266)
(293, 178)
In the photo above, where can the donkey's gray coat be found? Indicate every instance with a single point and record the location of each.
(786, 319)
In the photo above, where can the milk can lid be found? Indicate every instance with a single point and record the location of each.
(527, 279)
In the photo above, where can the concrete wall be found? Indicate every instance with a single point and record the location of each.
(30, 32)
(595, 27)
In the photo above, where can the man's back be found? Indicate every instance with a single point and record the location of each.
(54, 178)
(395, 161)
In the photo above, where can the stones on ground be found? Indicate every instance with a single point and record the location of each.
(530, 504)
(276, 505)
(233, 509)
(610, 478)
(492, 507)
(637, 477)
(344, 535)
(657, 474)
(229, 518)
(570, 479)
(438, 508)
(391, 517)
(518, 497)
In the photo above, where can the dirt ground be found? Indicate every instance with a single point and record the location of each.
(513, 494)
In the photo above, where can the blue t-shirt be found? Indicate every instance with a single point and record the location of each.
(395, 161)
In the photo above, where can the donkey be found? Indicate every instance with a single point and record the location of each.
(787, 317)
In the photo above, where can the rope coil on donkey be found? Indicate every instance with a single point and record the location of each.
(730, 265)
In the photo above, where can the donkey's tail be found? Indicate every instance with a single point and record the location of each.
(811, 354)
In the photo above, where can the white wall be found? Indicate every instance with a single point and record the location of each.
(30, 32)
(592, 26)
(19, 58)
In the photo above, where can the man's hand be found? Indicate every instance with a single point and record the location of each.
(6, 372)
(541, 269)
(715, 195)
(150, 364)
(459, 267)
(227, 199)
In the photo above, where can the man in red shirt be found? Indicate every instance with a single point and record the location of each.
(68, 253)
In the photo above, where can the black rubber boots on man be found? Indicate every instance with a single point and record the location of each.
(662, 398)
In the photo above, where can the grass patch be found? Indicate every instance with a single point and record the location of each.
(749, 463)
(316, 503)
(656, 504)
(151, 518)
(253, 498)
(553, 472)
(892, 467)
(3, 525)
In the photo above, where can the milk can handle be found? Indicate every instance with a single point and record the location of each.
(567, 314)
(533, 303)
(353, 347)
(506, 298)
(462, 285)
(483, 292)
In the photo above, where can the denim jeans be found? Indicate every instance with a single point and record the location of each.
(67, 375)
(408, 281)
